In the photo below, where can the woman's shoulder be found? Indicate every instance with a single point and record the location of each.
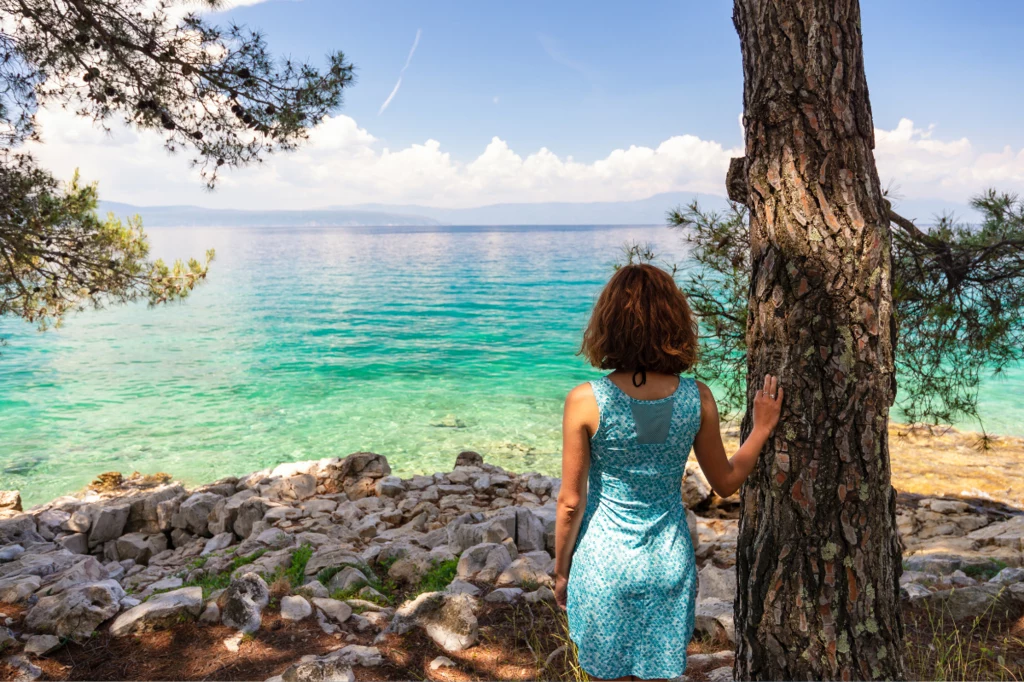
(705, 392)
(584, 393)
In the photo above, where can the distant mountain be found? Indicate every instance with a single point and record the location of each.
(196, 216)
(650, 211)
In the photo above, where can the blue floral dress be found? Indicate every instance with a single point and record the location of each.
(633, 578)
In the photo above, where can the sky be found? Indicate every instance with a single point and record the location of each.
(471, 103)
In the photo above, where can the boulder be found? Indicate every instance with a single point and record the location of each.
(171, 582)
(525, 569)
(319, 669)
(295, 607)
(722, 674)
(349, 577)
(10, 553)
(291, 488)
(218, 542)
(222, 518)
(483, 562)
(108, 523)
(77, 522)
(26, 670)
(335, 609)
(159, 611)
(152, 513)
(210, 614)
(140, 547)
(1009, 533)
(356, 654)
(441, 662)
(695, 487)
(194, 513)
(914, 591)
(411, 569)
(243, 601)
(10, 500)
(250, 512)
(328, 557)
(1008, 576)
(355, 475)
(18, 589)
(76, 612)
(76, 542)
(87, 570)
(504, 594)
(389, 486)
(714, 617)
(473, 528)
(462, 587)
(716, 583)
(40, 645)
(468, 458)
(967, 603)
(448, 619)
(20, 529)
(940, 564)
(543, 593)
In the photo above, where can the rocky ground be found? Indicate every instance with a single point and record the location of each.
(336, 569)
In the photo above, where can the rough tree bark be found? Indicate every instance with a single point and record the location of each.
(818, 555)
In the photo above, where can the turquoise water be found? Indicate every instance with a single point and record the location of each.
(415, 343)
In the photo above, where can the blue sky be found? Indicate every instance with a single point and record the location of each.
(584, 77)
(600, 100)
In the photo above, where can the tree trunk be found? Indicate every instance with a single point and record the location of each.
(818, 557)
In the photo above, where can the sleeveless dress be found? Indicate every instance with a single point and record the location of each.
(632, 583)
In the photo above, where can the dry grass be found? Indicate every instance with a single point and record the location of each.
(990, 647)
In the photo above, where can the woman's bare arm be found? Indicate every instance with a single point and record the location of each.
(579, 421)
(725, 474)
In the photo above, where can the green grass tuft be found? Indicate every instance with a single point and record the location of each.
(438, 577)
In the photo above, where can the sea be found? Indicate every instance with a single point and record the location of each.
(413, 342)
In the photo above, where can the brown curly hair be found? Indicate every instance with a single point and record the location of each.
(641, 322)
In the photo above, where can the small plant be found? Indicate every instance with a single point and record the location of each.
(438, 577)
(985, 571)
(240, 561)
(530, 585)
(296, 571)
(325, 574)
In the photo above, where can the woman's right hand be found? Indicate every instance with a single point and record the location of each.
(561, 585)
(768, 404)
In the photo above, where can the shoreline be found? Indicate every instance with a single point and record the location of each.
(338, 564)
(927, 460)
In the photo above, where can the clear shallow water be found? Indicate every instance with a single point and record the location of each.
(412, 342)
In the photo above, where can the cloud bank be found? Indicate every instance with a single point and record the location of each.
(344, 163)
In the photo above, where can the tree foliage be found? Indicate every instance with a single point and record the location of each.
(958, 299)
(213, 92)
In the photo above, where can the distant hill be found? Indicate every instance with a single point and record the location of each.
(196, 216)
(650, 211)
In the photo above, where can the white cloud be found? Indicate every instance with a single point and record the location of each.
(927, 168)
(343, 163)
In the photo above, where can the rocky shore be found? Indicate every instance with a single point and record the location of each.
(356, 566)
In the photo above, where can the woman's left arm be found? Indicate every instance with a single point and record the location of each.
(578, 422)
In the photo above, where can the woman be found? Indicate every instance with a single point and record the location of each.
(625, 569)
